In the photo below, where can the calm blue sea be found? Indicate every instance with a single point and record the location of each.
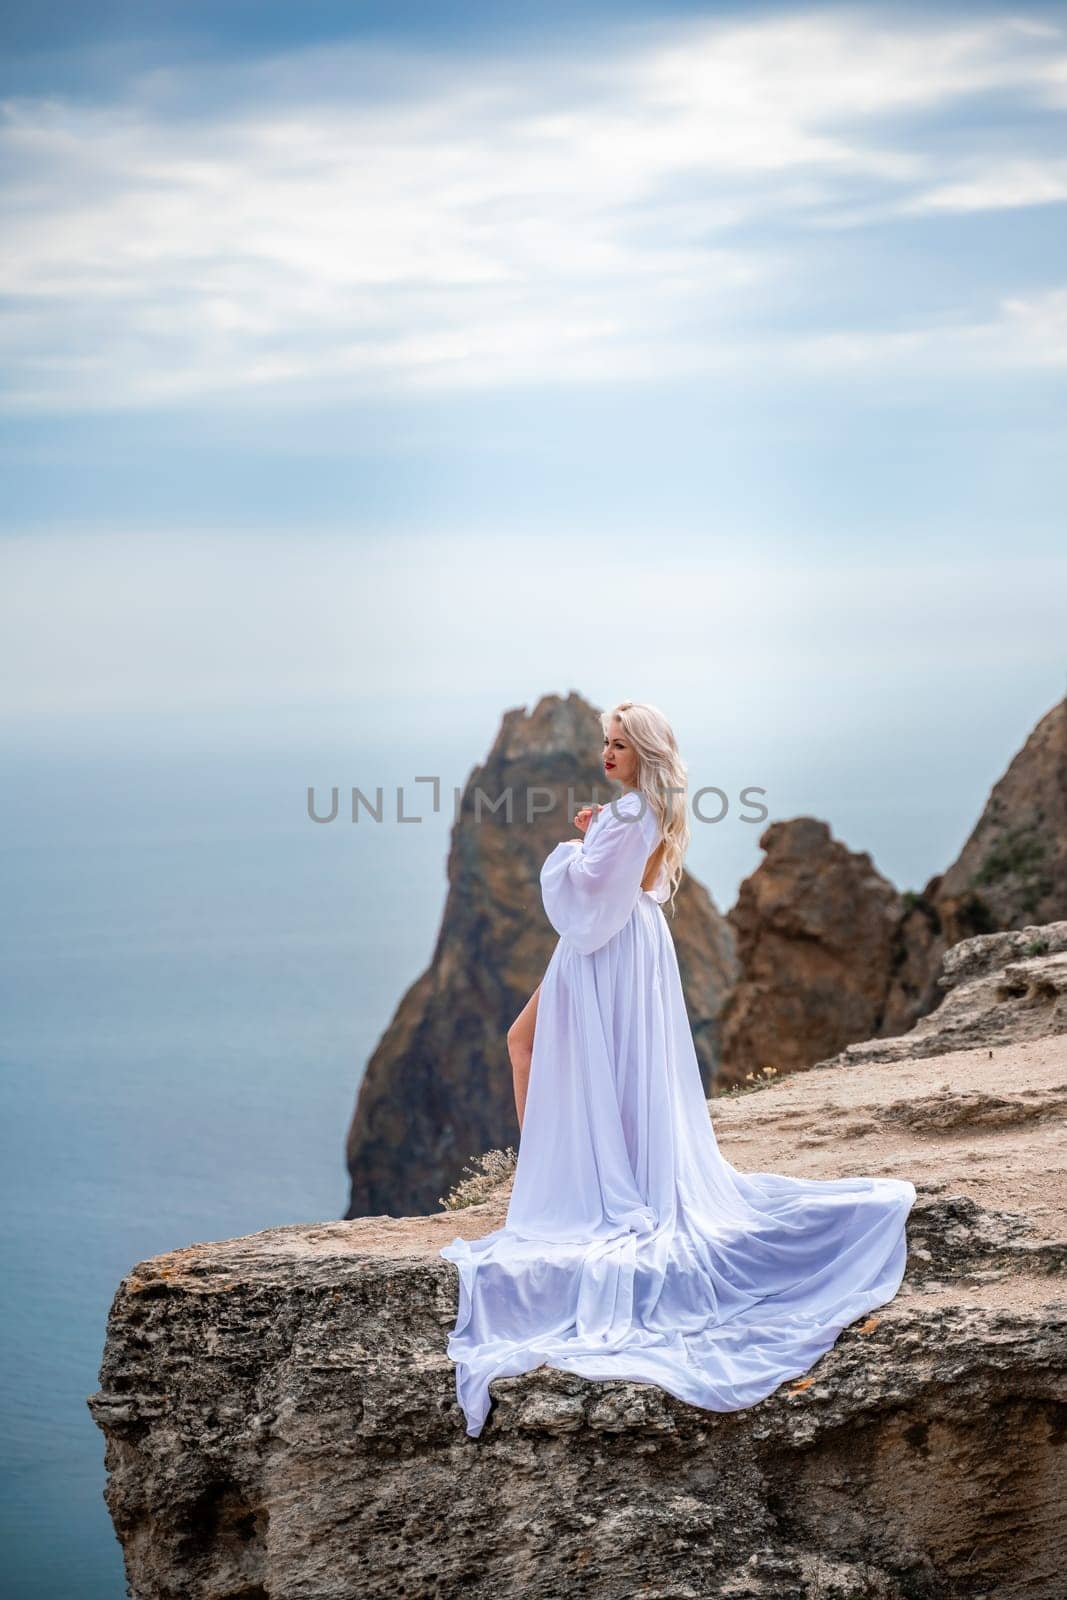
(192, 977)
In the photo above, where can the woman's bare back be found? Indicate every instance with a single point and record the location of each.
(652, 866)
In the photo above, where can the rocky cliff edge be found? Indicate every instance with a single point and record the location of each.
(280, 1416)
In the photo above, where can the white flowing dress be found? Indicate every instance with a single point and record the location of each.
(632, 1248)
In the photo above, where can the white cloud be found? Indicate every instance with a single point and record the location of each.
(999, 188)
(620, 218)
(1022, 332)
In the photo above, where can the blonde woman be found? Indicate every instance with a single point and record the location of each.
(632, 1248)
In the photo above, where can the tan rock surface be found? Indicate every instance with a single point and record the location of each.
(832, 953)
(997, 988)
(281, 1421)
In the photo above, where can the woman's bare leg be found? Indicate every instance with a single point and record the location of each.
(520, 1049)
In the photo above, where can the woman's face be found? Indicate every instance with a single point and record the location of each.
(620, 757)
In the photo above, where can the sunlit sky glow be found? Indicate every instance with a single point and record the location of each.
(712, 355)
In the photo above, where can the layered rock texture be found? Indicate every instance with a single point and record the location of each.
(831, 952)
(280, 1411)
(997, 990)
(1013, 868)
(438, 1089)
(823, 944)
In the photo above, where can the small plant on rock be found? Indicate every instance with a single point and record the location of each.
(485, 1174)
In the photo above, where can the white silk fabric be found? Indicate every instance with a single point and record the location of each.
(631, 1247)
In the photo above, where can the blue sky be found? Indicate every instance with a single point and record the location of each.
(386, 358)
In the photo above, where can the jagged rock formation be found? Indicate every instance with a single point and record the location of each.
(822, 947)
(831, 953)
(280, 1411)
(820, 951)
(438, 1089)
(1013, 869)
(999, 989)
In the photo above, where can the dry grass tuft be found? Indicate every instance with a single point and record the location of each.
(486, 1173)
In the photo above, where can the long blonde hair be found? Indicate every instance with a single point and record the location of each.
(660, 771)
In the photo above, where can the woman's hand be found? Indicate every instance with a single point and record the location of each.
(585, 816)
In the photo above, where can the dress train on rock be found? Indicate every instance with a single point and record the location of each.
(632, 1248)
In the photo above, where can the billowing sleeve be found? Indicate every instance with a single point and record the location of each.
(589, 887)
